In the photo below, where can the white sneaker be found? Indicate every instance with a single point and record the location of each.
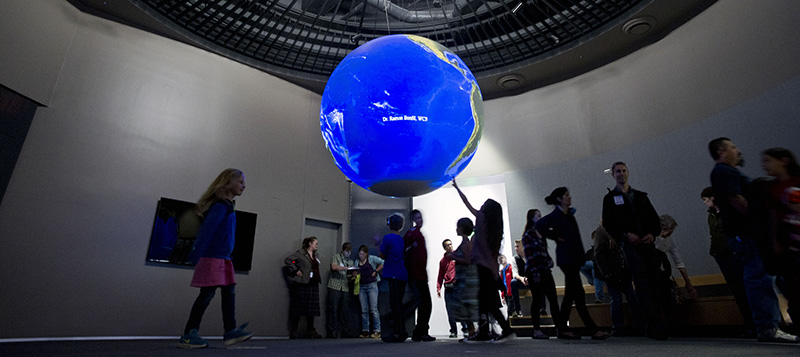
(776, 335)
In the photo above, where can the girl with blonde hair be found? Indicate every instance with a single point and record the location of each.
(211, 255)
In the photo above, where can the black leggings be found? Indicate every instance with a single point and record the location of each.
(397, 289)
(546, 287)
(573, 292)
(489, 301)
(294, 320)
(204, 299)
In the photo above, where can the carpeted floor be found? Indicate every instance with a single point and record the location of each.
(619, 347)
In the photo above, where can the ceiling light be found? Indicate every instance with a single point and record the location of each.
(357, 37)
(639, 26)
(510, 81)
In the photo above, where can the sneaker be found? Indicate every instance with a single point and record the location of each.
(376, 334)
(505, 337)
(236, 335)
(426, 338)
(776, 335)
(601, 335)
(543, 312)
(192, 340)
(395, 338)
(568, 336)
(519, 314)
(453, 335)
(476, 338)
(364, 334)
(539, 335)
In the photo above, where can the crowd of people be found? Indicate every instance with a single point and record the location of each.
(754, 238)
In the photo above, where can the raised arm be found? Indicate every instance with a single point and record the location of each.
(464, 199)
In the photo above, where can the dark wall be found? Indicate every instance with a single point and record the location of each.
(16, 115)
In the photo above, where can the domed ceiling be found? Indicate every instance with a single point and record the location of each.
(510, 46)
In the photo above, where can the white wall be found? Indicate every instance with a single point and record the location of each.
(32, 68)
(135, 117)
(728, 54)
(673, 168)
(441, 210)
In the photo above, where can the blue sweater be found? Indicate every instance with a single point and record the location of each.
(392, 249)
(217, 234)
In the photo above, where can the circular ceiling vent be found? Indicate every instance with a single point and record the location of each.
(639, 26)
(510, 81)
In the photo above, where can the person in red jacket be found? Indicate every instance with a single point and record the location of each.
(447, 279)
(506, 275)
(416, 260)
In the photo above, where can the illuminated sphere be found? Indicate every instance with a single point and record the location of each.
(401, 115)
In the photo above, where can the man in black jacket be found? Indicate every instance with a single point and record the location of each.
(631, 220)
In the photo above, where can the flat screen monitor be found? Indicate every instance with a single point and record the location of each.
(175, 230)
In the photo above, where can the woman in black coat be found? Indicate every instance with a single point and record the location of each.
(561, 226)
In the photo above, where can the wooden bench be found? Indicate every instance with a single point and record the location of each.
(713, 312)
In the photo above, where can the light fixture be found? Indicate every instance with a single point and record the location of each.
(510, 81)
(639, 26)
(516, 7)
(357, 37)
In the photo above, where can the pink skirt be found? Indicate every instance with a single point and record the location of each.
(213, 272)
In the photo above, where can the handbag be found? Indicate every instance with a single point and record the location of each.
(357, 284)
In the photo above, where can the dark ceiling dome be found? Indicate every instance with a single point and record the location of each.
(304, 40)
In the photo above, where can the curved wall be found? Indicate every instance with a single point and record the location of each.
(134, 117)
(731, 71)
(730, 53)
(129, 119)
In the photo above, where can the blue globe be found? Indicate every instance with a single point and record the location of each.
(401, 115)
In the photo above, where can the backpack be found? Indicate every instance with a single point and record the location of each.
(609, 260)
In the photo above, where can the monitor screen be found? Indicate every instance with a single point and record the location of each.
(175, 229)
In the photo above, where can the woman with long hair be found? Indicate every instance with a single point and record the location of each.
(561, 226)
(465, 289)
(538, 270)
(302, 268)
(533, 216)
(485, 251)
(368, 267)
(783, 203)
(211, 255)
